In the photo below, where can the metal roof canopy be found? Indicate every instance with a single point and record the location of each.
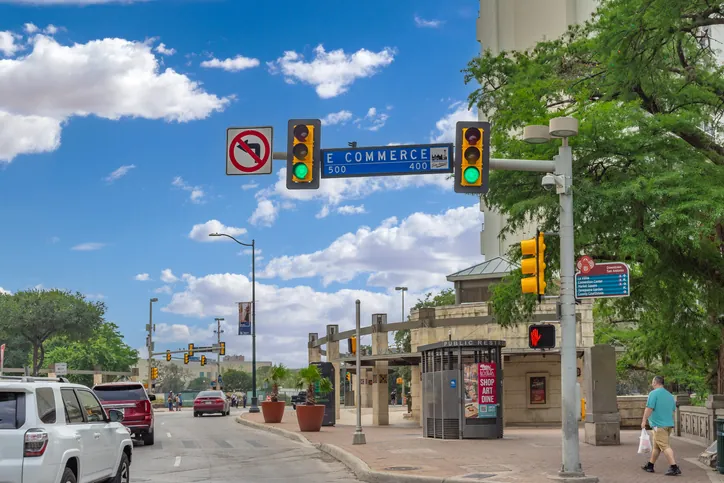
(491, 269)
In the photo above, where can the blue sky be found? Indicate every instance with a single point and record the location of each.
(113, 119)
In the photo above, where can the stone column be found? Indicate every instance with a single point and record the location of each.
(713, 402)
(416, 392)
(315, 353)
(603, 421)
(380, 374)
(333, 357)
(422, 336)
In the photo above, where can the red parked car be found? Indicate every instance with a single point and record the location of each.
(211, 402)
(132, 399)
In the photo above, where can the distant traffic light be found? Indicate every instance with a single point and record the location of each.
(203, 360)
(168, 355)
(191, 350)
(352, 345)
(349, 376)
(304, 163)
(186, 358)
(534, 266)
(222, 348)
(542, 336)
(472, 157)
(154, 373)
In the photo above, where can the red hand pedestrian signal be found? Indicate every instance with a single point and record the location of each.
(542, 336)
(534, 337)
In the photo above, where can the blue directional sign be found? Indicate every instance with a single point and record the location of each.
(603, 280)
(387, 160)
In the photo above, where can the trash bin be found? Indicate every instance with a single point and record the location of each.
(720, 445)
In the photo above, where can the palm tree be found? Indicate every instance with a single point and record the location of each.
(308, 378)
(276, 375)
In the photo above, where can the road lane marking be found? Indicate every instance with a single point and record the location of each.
(177, 462)
(168, 434)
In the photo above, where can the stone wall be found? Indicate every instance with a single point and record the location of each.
(631, 410)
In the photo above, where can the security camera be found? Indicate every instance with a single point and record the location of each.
(549, 182)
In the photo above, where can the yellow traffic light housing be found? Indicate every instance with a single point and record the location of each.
(154, 373)
(222, 348)
(168, 355)
(472, 157)
(186, 358)
(352, 345)
(303, 154)
(191, 350)
(203, 360)
(534, 266)
(349, 376)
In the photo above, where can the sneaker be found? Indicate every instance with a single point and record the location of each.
(673, 471)
(648, 467)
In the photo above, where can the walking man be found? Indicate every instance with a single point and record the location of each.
(659, 412)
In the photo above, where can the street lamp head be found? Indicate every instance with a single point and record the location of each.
(563, 127)
(214, 234)
(401, 288)
(536, 134)
(154, 299)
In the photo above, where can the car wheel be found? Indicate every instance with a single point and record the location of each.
(148, 438)
(123, 475)
(196, 415)
(68, 476)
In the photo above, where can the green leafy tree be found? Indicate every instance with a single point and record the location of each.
(171, 378)
(36, 316)
(310, 379)
(643, 81)
(104, 349)
(236, 380)
(277, 374)
(200, 384)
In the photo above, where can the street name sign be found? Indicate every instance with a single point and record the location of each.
(602, 280)
(249, 150)
(387, 160)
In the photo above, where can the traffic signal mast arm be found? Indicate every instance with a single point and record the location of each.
(183, 351)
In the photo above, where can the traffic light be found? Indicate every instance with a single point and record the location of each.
(349, 376)
(186, 358)
(154, 373)
(352, 345)
(203, 360)
(191, 350)
(534, 266)
(168, 355)
(304, 163)
(542, 336)
(222, 348)
(472, 157)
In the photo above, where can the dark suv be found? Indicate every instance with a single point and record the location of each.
(132, 399)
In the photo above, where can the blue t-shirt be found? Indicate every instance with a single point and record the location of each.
(663, 404)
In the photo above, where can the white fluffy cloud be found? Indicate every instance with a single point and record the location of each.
(418, 251)
(333, 118)
(351, 210)
(265, 214)
(142, 277)
(5, 292)
(373, 120)
(331, 73)
(119, 173)
(110, 78)
(87, 247)
(200, 232)
(8, 44)
(163, 50)
(421, 22)
(196, 193)
(445, 127)
(250, 186)
(235, 64)
(167, 276)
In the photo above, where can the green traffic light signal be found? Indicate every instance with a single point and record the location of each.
(300, 170)
(471, 174)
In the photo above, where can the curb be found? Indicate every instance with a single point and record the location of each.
(271, 429)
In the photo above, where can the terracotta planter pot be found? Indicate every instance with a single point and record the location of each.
(273, 411)
(310, 417)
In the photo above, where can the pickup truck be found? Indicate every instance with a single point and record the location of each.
(300, 398)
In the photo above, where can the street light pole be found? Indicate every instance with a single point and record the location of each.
(218, 350)
(150, 344)
(359, 436)
(254, 408)
(403, 290)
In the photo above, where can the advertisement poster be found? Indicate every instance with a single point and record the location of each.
(244, 318)
(538, 390)
(481, 390)
(487, 390)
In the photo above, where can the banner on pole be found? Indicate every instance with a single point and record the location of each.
(2, 358)
(244, 318)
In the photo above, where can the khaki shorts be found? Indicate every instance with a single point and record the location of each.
(660, 439)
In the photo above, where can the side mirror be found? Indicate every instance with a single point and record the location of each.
(115, 415)
(152, 397)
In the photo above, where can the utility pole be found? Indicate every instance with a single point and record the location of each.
(403, 290)
(359, 436)
(218, 331)
(149, 342)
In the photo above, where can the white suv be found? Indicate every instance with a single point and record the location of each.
(52, 431)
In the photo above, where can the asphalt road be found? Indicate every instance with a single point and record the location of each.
(215, 449)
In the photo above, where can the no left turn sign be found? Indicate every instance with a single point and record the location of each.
(249, 150)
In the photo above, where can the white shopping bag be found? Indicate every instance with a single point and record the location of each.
(644, 442)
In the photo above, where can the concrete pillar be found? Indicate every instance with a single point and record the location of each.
(416, 391)
(603, 421)
(333, 357)
(366, 383)
(315, 353)
(422, 336)
(380, 374)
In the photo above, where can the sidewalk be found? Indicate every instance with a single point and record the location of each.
(522, 456)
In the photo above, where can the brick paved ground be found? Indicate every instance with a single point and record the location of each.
(523, 456)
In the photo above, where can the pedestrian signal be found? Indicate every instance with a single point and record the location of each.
(304, 162)
(542, 336)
